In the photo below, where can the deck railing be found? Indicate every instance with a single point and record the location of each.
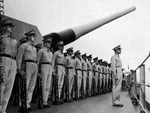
(134, 86)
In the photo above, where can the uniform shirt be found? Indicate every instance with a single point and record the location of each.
(69, 64)
(44, 55)
(26, 52)
(115, 63)
(84, 65)
(58, 58)
(8, 45)
(102, 69)
(69, 61)
(110, 70)
(107, 70)
(94, 67)
(89, 66)
(77, 64)
(99, 69)
(73, 60)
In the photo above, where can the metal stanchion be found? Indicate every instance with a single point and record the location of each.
(135, 86)
(142, 91)
(134, 89)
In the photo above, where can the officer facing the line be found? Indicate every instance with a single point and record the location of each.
(116, 65)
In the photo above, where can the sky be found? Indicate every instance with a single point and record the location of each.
(130, 31)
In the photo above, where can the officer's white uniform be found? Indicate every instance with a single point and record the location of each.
(44, 59)
(116, 65)
(8, 67)
(59, 69)
(27, 54)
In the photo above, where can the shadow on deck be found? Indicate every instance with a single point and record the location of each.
(97, 104)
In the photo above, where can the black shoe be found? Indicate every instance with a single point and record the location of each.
(118, 105)
(46, 106)
(31, 109)
(70, 100)
(60, 102)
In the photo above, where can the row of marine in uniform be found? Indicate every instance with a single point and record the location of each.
(63, 77)
(71, 77)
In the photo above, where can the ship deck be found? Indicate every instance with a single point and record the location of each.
(97, 104)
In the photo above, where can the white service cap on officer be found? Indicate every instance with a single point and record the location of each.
(117, 47)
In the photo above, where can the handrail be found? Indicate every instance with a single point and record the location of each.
(148, 85)
(141, 84)
(139, 103)
(143, 62)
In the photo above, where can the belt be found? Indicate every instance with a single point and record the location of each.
(78, 69)
(59, 64)
(84, 70)
(9, 56)
(95, 71)
(31, 61)
(46, 63)
(69, 67)
(118, 66)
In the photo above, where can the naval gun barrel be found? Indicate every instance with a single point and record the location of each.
(72, 34)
